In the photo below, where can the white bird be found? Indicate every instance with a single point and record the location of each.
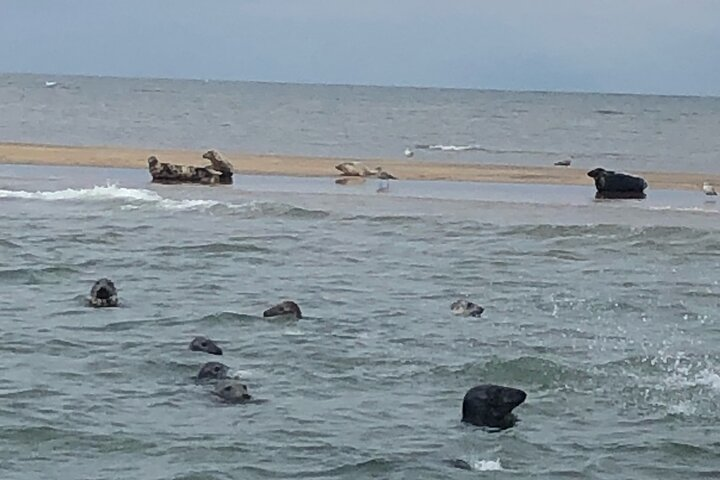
(409, 153)
(709, 189)
(50, 84)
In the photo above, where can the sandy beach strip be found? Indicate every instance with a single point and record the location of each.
(119, 157)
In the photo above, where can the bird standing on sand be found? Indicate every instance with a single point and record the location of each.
(383, 175)
(409, 153)
(709, 189)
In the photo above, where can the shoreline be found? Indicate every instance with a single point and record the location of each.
(304, 166)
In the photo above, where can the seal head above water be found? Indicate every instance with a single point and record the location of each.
(465, 308)
(204, 344)
(286, 308)
(232, 391)
(491, 406)
(213, 371)
(103, 294)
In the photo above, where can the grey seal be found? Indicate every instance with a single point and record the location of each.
(204, 344)
(213, 371)
(286, 308)
(491, 406)
(610, 184)
(466, 309)
(232, 391)
(103, 294)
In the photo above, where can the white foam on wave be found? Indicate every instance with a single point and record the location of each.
(137, 197)
(107, 192)
(454, 148)
(487, 465)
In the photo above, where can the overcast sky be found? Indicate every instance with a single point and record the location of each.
(642, 46)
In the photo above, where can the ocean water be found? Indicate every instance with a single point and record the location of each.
(625, 132)
(604, 312)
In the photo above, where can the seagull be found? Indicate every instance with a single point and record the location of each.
(409, 153)
(383, 175)
(50, 84)
(709, 189)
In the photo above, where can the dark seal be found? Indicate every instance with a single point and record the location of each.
(286, 308)
(103, 294)
(232, 391)
(213, 371)
(465, 308)
(491, 406)
(610, 184)
(204, 344)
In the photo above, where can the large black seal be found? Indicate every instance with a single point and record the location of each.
(232, 391)
(610, 184)
(204, 344)
(491, 406)
(213, 371)
(285, 309)
(103, 294)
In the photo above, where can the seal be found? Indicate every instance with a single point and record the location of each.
(204, 344)
(465, 308)
(286, 308)
(232, 391)
(213, 371)
(103, 294)
(610, 184)
(491, 406)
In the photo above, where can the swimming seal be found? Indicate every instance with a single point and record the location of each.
(103, 294)
(617, 185)
(213, 371)
(232, 391)
(491, 406)
(287, 307)
(204, 344)
(466, 309)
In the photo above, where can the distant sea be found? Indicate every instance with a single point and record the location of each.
(604, 312)
(629, 132)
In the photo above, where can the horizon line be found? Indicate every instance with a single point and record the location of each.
(368, 85)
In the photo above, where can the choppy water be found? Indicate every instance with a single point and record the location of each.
(628, 132)
(604, 312)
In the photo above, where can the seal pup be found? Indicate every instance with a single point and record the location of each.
(103, 294)
(286, 308)
(213, 371)
(232, 391)
(465, 308)
(709, 189)
(491, 406)
(204, 344)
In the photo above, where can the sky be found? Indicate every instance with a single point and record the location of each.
(624, 46)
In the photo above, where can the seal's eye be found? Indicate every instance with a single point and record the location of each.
(203, 344)
(216, 369)
(228, 388)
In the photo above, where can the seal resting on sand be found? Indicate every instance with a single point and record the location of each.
(218, 162)
(287, 307)
(204, 344)
(213, 371)
(465, 308)
(232, 391)
(355, 169)
(491, 406)
(103, 294)
(610, 184)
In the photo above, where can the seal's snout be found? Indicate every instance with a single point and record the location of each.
(103, 293)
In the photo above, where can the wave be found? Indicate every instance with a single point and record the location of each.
(138, 199)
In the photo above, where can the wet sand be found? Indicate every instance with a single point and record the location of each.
(18, 153)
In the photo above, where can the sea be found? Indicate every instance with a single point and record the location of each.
(604, 311)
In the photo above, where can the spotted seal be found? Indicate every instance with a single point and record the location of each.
(465, 308)
(286, 308)
(103, 294)
(213, 371)
(232, 391)
(204, 344)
